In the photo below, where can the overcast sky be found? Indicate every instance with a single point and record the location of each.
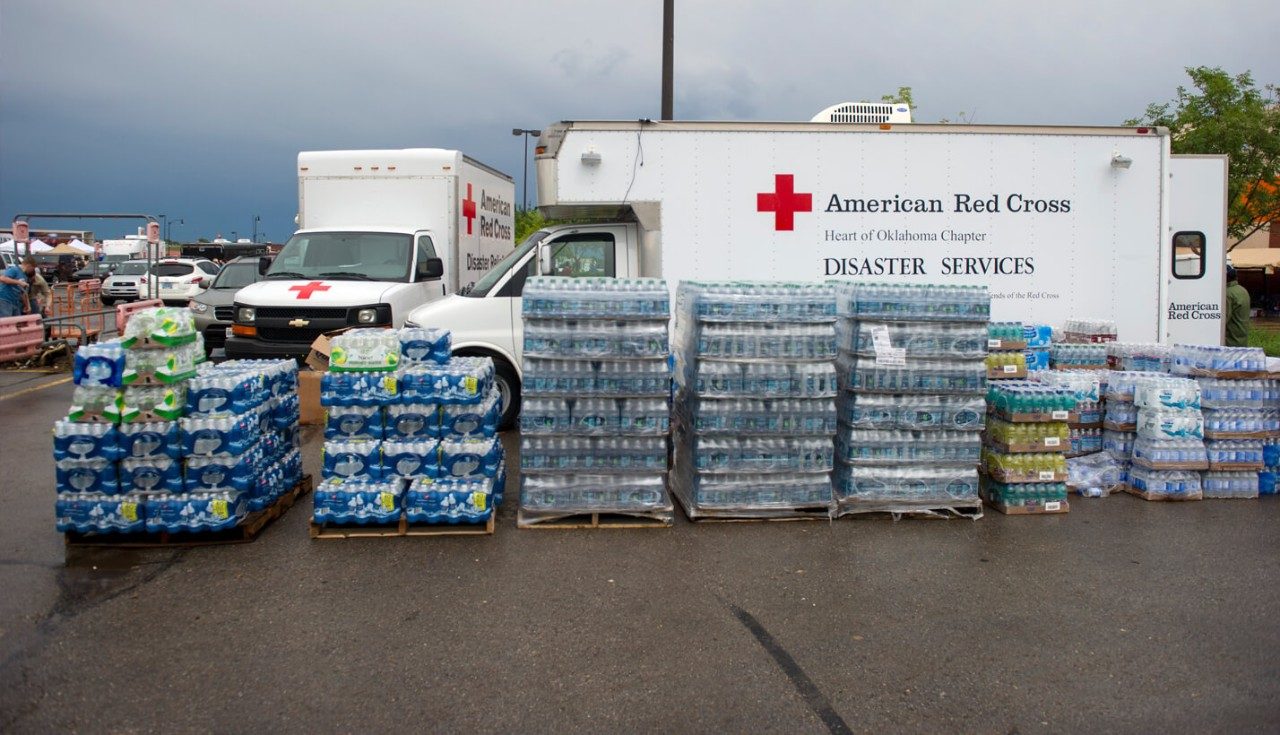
(198, 108)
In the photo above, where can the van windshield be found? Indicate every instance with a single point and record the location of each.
(356, 256)
(490, 279)
(132, 268)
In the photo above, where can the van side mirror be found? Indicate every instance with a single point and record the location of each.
(264, 264)
(544, 259)
(430, 269)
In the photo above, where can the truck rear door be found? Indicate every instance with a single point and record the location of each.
(1193, 251)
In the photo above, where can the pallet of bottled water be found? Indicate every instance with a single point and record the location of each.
(1210, 361)
(912, 371)
(595, 418)
(754, 416)
(413, 450)
(204, 452)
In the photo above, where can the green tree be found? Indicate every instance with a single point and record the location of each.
(527, 221)
(1231, 115)
(903, 95)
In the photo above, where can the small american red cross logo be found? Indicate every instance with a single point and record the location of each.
(784, 202)
(469, 209)
(306, 289)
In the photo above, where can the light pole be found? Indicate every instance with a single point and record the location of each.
(256, 220)
(168, 225)
(164, 226)
(235, 236)
(526, 133)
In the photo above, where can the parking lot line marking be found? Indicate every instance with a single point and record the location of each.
(813, 696)
(33, 389)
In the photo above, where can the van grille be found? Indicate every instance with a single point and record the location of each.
(301, 312)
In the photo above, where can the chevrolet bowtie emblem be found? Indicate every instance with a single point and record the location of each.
(299, 322)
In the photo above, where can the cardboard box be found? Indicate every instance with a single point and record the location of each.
(318, 357)
(312, 413)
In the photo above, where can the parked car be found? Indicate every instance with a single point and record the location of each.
(215, 307)
(95, 269)
(123, 283)
(178, 280)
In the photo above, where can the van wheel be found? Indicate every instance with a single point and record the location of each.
(504, 376)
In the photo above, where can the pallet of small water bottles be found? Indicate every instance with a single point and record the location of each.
(411, 445)
(1024, 468)
(161, 448)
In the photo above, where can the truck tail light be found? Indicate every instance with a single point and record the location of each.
(243, 330)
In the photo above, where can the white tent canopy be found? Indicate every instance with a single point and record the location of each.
(81, 245)
(36, 247)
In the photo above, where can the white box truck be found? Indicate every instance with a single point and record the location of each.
(380, 232)
(1057, 221)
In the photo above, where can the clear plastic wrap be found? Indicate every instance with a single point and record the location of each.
(95, 403)
(557, 297)
(1170, 424)
(881, 411)
(912, 302)
(359, 502)
(878, 446)
(99, 364)
(571, 494)
(1119, 444)
(1129, 356)
(763, 341)
(1165, 393)
(750, 416)
(1032, 467)
(595, 340)
(861, 374)
(365, 350)
(1211, 360)
(715, 453)
(595, 416)
(1071, 356)
(161, 365)
(1095, 475)
(748, 494)
(1239, 422)
(1165, 484)
(1188, 454)
(1230, 484)
(153, 402)
(724, 379)
(921, 339)
(1243, 454)
(1218, 393)
(756, 302)
(160, 326)
(903, 489)
(594, 454)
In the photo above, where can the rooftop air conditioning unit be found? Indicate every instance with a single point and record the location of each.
(865, 112)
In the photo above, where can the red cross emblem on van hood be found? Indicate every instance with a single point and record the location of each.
(784, 202)
(306, 289)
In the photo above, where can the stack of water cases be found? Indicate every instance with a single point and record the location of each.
(1089, 389)
(1025, 446)
(1168, 451)
(912, 378)
(1142, 357)
(155, 442)
(1039, 338)
(1088, 331)
(1241, 409)
(596, 411)
(410, 433)
(1006, 356)
(1269, 477)
(755, 399)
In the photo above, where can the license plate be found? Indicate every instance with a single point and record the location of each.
(168, 286)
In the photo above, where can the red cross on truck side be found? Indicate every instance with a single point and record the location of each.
(306, 289)
(784, 202)
(469, 209)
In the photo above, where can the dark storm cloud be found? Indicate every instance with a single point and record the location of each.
(199, 109)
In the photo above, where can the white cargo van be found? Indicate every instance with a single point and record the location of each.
(381, 232)
(1058, 221)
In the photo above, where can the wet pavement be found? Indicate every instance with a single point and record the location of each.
(1122, 616)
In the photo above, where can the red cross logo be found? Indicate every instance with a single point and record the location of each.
(306, 289)
(784, 202)
(469, 209)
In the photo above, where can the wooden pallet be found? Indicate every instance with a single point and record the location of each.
(941, 512)
(659, 519)
(1169, 498)
(403, 528)
(247, 531)
(704, 515)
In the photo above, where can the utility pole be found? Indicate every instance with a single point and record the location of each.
(668, 51)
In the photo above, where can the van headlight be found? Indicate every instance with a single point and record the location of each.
(245, 314)
(367, 316)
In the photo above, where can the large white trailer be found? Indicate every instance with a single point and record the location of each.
(1058, 222)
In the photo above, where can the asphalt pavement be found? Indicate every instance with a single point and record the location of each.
(1121, 616)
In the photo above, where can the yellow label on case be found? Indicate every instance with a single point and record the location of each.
(389, 383)
(388, 501)
(472, 385)
(479, 500)
(220, 508)
(129, 511)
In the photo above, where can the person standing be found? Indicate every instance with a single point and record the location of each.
(39, 295)
(13, 288)
(1237, 311)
